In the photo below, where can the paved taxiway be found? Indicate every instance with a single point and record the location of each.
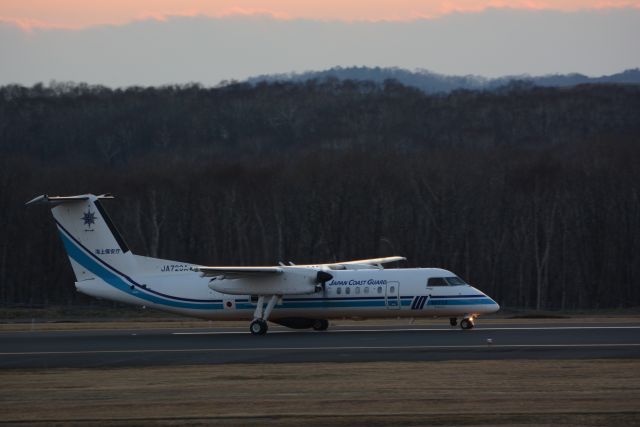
(147, 347)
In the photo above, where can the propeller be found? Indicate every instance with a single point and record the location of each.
(322, 278)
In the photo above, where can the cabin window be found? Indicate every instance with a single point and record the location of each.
(436, 281)
(347, 290)
(455, 281)
(379, 289)
(338, 291)
(392, 289)
(357, 291)
(366, 290)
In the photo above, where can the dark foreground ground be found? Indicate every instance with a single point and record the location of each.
(470, 393)
(506, 372)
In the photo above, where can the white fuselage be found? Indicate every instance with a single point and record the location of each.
(363, 293)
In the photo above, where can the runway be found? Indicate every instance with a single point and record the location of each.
(154, 347)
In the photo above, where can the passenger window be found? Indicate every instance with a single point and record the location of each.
(338, 291)
(357, 291)
(347, 291)
(366, 290)
(379, 289)
(436, 281)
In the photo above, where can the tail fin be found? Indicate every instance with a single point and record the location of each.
(88, 233)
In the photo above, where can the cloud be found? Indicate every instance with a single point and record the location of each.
(253, 12)
(26, 25)
(207, 50)
(76, 14)
(226, 13)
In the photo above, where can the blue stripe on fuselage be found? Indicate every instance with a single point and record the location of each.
(481, 300)
(119, 282)
(458, 296)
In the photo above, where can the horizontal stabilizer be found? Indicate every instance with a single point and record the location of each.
(46, 199)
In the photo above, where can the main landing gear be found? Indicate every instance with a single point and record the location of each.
(320, 325)
(259, 325)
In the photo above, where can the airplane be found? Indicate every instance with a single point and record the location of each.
(295, 296)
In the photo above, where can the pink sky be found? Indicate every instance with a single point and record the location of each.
(85, 13)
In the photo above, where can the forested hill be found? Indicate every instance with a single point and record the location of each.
(530, 193)
(431, 82)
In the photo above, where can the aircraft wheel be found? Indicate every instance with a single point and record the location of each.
(258, 327)
(466, 324)
(453, 321)
(320, 325)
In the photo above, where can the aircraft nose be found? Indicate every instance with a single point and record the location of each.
(494, 306)
(490, 306)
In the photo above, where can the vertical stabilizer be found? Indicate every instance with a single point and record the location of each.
(89, 236)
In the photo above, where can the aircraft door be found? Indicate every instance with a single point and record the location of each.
(393, 295)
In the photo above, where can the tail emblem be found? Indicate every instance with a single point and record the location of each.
(89, 218)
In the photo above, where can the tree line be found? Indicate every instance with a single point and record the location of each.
(529, 193)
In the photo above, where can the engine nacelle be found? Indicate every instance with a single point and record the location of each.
(289, 283)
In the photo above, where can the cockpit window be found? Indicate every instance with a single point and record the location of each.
(445, 281)
(436, 281)
(455, 281)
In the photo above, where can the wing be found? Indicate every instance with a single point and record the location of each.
(239, 272)
(372, 263)
(375, 261)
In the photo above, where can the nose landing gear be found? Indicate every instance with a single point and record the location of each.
(467, 323)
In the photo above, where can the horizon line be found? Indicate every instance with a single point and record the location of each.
(52, 83)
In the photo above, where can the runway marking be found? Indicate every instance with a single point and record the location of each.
(333, 348)
(242, 329)
(527, 328)
(238, 330)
